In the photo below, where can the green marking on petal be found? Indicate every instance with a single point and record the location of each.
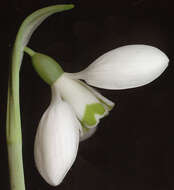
(91, 110)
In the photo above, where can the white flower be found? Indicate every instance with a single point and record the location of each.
(59, 130)
(76, 108)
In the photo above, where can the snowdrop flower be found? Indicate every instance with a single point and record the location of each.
(76, 108)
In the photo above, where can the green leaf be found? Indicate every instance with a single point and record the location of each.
(13, 124)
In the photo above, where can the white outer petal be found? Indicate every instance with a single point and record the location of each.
(125, 67)
(56, 142)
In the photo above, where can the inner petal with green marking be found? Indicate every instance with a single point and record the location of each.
(88, 104)
(92, 114)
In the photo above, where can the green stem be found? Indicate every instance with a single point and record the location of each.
(16, 166)
(14, 142)
(29, 51)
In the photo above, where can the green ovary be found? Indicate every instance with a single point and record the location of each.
(90, 112)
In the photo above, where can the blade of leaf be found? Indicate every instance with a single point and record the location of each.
(13, 128)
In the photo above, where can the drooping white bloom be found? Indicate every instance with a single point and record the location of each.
(59, 130)
(76, 108)
(125, 67)
(56, 141)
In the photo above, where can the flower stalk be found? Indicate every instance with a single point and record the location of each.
(29, 51)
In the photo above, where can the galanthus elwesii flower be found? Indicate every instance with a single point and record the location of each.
(76, 108)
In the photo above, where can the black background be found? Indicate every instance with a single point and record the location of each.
(134, 146)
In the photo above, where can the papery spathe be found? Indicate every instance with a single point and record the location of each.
(56, 141)
(125, 67)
